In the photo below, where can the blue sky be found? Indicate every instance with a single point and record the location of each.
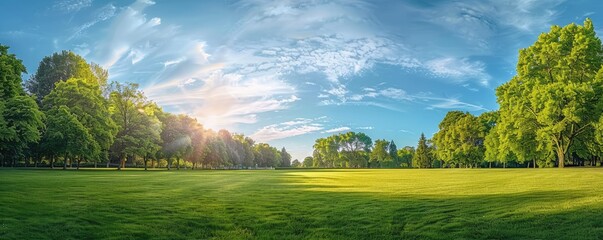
(288, 72)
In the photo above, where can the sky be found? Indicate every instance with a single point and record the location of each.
(288, 72)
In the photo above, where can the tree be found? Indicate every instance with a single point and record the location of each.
(460, 139)
(308, 161)
(138, 126)
(354, 148)
(84, 100)
(392, 159)
(379, 154)
(422, 156)
(24, 120)
(60, 67)
(20, 119)
(175, 137)
(296, 163)
(246, 150)
(555, 98)
(405, 156)
(66, 136)
(285, 158)
(266, 155)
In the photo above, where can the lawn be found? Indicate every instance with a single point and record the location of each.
(303, 204)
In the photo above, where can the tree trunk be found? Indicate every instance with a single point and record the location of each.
(51, 161)
(561, 157)
(505, 165)
(490, 165)
(65, 162)
(177, 163)
(534, 163)
(121, 157)
(108, 162)
(169, 164)
(145, 162)
(77, 161)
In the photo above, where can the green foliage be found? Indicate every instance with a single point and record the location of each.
(349, 149)
(266, 156)
(379, 156)
(285, 158)
(20, 119)
(138, 127)
(460, 140)
(296, 163)
(308, 162)
(60, 67)
(405, 156)
(555, 97)
(176, 140)
(66, 136)
(10, 74)
(422, 156)
(84, 100)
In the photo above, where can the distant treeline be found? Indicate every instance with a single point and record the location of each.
(551, 114)
(66, 114)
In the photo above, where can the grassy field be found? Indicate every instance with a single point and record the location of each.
(297, 204)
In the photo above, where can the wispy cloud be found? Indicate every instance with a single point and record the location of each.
(100, 15)
(339, 129)
(459, 70)
(70, 6)
(297, 127)
(453, 103)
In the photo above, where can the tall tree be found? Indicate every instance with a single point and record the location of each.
(138, 126)
(84, 100)
(405, 156)
(460, 139)
(66, 136)
(285, 158)
(21, 120)
(392, 159)
(379, 154)
(176, 140)
(556, 95)
(308, 161)
(354, 148)
(422, 157)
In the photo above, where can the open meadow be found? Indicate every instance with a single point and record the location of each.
(302, 204)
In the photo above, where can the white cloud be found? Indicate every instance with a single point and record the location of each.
(459, 70)
(339, 129)
(453, 103)
(296, 127)
(103, 14)
(365, 128)
(71, 6)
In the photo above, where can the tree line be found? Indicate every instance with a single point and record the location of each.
(551, 114)
(67, 114)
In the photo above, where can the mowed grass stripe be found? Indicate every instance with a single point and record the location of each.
(312, 204)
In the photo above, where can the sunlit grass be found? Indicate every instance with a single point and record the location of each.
(331, 204)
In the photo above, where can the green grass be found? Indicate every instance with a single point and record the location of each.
(296, 204)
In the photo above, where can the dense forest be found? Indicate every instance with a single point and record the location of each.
(66, 113)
